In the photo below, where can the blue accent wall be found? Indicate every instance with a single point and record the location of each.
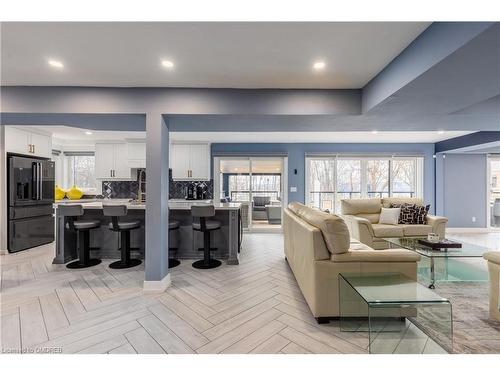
(461, 189)
(296, 153)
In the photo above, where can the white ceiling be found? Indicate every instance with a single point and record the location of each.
(234, 55)
(67, 134)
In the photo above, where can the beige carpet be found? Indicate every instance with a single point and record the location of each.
(474, 332)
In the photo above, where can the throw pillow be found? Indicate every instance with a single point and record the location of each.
(407, 215)
(389, 216)
(421, 214)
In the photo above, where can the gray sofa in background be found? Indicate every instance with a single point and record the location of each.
(259, 207)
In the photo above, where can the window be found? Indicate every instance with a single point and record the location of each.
(82, 172)
(321, 183)
(262, 185)
(77, 168)
(331, 179)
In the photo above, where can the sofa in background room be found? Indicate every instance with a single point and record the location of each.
(362, 218)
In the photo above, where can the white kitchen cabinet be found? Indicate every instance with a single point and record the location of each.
(111, 161)
(42, 145)
(180, 161)
(25, 142)
(190, 161)
(122, 169)
(137, 155)
(199, 161)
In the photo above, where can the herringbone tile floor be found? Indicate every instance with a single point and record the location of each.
(254, 307)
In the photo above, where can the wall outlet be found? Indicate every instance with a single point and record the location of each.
(293, 189)
(473, 219)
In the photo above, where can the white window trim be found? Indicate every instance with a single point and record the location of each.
(419, 172)
(68, 178)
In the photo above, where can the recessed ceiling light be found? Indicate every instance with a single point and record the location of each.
(319, 65)
(88, 133)
(440, 131)
(56, 64)
(167, 64)
(374, 131)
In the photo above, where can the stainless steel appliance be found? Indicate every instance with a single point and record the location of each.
(191, 192)
(30, 184)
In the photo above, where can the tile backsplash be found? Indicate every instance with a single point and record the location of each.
(122, 189)
(128, 189)
(177, 189)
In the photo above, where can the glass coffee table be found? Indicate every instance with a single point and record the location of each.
(411, 243)
(399, 314)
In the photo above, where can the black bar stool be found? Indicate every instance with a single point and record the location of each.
(82, 229)
(173, 225)
(201, 224)
(124, 227)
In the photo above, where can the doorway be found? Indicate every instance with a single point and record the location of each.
(259, 184)
(494, 190)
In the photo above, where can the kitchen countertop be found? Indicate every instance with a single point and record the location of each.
(96, 204)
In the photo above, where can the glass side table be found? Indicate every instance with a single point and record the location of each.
(411, 243)
(399, 314)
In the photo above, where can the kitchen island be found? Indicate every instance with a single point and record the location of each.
(104, 243)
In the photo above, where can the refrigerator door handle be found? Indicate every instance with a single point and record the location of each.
(34, 184)
(40, 181)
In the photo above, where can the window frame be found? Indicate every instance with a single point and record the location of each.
(68, 176)
(417, 188)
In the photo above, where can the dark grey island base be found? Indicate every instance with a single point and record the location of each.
(104, 243)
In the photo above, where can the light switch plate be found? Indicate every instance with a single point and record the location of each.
(293, 189)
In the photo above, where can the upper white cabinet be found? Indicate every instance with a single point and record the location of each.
(26, 142)
(111, 161)
(190, 161)
(137, 155)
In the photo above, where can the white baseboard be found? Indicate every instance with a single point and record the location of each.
(4, 252)
(468, 230)
(157, 286)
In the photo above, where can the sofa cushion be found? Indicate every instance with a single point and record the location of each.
(361, 206)
(385, 230)
(334, 229)
(416, 230)
(372, 218)
(386, 202)
(421, 214)
(389, 216)
(407, 214)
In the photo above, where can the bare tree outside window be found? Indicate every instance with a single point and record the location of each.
(83, 172)
(403, 184)
(322, 184)
(377, 178)
(332, 179)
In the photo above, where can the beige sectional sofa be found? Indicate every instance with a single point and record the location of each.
(318, 247)
(493, 258)
(362, 218)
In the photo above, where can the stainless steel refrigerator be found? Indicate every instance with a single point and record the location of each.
(30, 184)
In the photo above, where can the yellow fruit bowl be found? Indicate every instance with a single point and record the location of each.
(59, 193)
(74, 193)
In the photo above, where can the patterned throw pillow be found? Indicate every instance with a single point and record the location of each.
(421, 214)
(407, 215)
